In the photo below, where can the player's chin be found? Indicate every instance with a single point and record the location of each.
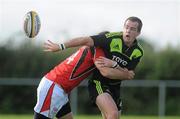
(127, 39)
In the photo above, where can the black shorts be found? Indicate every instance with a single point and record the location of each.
(96, 87)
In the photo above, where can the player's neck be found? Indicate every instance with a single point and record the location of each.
(129, 44)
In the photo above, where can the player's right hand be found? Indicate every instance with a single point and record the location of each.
(130, 74)
(49, 46)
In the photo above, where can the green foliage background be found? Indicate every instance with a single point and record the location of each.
(30, 61)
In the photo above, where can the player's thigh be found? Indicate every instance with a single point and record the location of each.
(106, 103)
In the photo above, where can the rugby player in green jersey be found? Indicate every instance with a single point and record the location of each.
(124, 49)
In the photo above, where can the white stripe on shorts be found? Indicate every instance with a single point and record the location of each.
(58, 98)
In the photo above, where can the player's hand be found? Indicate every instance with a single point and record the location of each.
(130, 73)
(49, 46)
(105, 62)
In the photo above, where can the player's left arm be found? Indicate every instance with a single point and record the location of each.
(110, 69)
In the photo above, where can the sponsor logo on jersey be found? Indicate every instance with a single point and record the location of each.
(120, 60)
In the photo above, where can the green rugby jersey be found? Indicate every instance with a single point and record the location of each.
(115, 49)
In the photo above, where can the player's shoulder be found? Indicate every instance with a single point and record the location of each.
(113, 34)
(139, 48)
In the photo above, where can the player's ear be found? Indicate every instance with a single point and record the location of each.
(138, 33)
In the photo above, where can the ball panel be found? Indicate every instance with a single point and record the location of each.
(27, 25)
(32, 24)
(37, 24)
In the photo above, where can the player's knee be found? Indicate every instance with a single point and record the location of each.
(39, 116)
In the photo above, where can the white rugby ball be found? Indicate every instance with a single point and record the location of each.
(32, 24)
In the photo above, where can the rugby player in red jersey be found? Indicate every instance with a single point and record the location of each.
(52, 92)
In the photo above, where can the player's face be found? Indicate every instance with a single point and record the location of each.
(130, 32)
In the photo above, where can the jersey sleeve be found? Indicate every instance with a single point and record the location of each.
(99, 40)
(136, 57)
(134, 63)
(97, 53)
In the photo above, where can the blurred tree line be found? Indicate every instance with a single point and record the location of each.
(30, 61)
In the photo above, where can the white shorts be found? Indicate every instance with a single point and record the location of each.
(50, 98)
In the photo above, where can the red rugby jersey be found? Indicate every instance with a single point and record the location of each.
(69, 73)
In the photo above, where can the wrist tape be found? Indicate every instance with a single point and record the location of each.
(115, 65)
(62, 46)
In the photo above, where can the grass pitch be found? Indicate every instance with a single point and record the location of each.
(10, 116)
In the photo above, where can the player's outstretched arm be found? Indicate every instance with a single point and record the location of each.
(110, 69)
(80, 41)
(50, 46)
